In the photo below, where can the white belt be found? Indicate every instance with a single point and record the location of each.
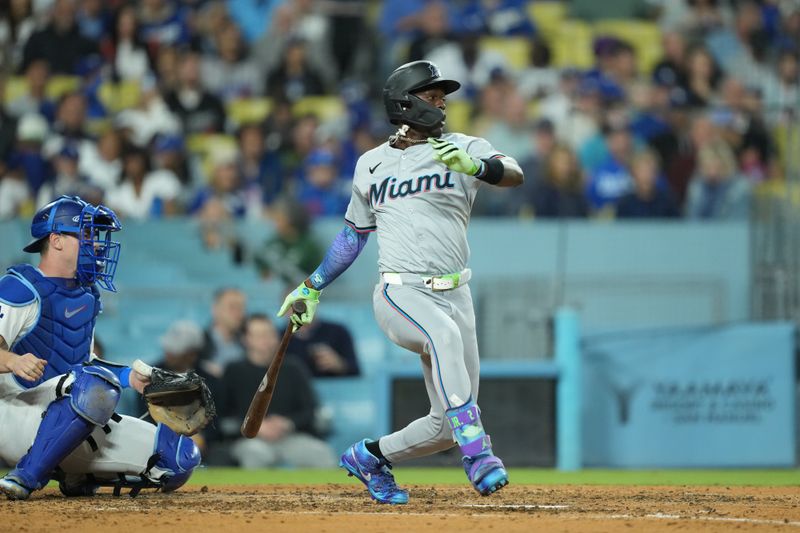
(444, 282)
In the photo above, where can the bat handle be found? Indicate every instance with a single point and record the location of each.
(298, 307)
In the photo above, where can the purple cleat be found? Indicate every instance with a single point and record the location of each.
(486, 473)
(374, 473)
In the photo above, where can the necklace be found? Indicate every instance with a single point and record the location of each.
(400, 135)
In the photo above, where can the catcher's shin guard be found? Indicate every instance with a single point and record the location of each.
(89, 401)
(485, 471)
(176, 457)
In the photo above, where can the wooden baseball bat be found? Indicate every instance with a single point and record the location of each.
(260, 402)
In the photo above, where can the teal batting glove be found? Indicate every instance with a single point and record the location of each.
(309, 296)
(454, 157)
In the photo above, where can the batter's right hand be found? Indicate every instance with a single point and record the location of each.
(28, 367)
(309, 296)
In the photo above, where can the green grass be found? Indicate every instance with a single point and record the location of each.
(520, 476)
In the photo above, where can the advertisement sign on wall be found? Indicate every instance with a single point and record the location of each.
(710, 397)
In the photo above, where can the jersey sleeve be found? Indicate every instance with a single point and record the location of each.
(482, 149)
(16, 321)
(359, 215)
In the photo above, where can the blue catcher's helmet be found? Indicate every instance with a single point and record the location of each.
(98, 255)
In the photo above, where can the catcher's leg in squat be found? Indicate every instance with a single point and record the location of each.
(68, 421)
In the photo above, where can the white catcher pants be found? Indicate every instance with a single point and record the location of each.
(125, 449)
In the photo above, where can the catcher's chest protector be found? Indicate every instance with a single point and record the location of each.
(63, 333)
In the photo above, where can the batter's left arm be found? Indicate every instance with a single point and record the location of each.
(498, 170)
(511, 172)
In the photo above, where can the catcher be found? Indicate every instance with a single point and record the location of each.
(57, 400)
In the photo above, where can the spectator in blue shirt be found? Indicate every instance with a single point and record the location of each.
(650, 197)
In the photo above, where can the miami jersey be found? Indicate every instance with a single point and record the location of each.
(419, 208)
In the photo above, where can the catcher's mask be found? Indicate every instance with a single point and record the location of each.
(403, 107)
(92, 225)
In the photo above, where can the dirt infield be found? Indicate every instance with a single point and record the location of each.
(345, 508)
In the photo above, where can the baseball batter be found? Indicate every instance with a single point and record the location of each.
(57, 401)
(416, 192)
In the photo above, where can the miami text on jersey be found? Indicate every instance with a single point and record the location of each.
(401, 189)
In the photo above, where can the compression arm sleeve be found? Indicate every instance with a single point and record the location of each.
(342, 253)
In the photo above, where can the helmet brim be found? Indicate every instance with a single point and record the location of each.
(35, 246)
(448, 86)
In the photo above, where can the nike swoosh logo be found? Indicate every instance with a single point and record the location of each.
(70, 314)
(372, 169)
(367, 476)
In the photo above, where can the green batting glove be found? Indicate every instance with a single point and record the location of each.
(309, 296)
(454, 157)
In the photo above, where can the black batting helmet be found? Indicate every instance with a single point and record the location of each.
(402, 107)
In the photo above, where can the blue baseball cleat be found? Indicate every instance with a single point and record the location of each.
(486, 473)
(13, 489)
(374, 473)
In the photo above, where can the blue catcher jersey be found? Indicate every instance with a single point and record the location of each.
(67, 313)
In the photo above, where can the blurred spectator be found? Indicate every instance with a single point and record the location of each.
(740, 121)
(163, 22)
(717, 191)
(302, 141)
(16, 26)
(560, 193)
(534, 167)
(126, 51)
(67, 180)
(150, 117)
(670, 71)
(464, 60)
(502, 18)
(167, 66)
(286, 437)
(649, 198)
(292, 249)
(252, 16)
(231, 74)
(692, 133)
(326, 349)
(512, 131)
(92, 19)
(222, 340)
(8, 128)
(35, 99)
(321, 190)
(225, 186)
(294, 77)
(198, 110)
(540, 78)
(582, 115)
(309, 21)
(70, 123)
(702, 78)
(558, 105)
(169, 155)
(14, 191)
(611, 180)
(740, 47)
(143, 194)
(181, 344)
(782, 92)
(60, 43)
(102, 162)
(258, 167)
(433, 31)
(27, 154)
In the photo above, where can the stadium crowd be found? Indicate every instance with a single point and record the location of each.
(219, 109)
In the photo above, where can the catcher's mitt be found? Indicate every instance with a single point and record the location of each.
(180, 401)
